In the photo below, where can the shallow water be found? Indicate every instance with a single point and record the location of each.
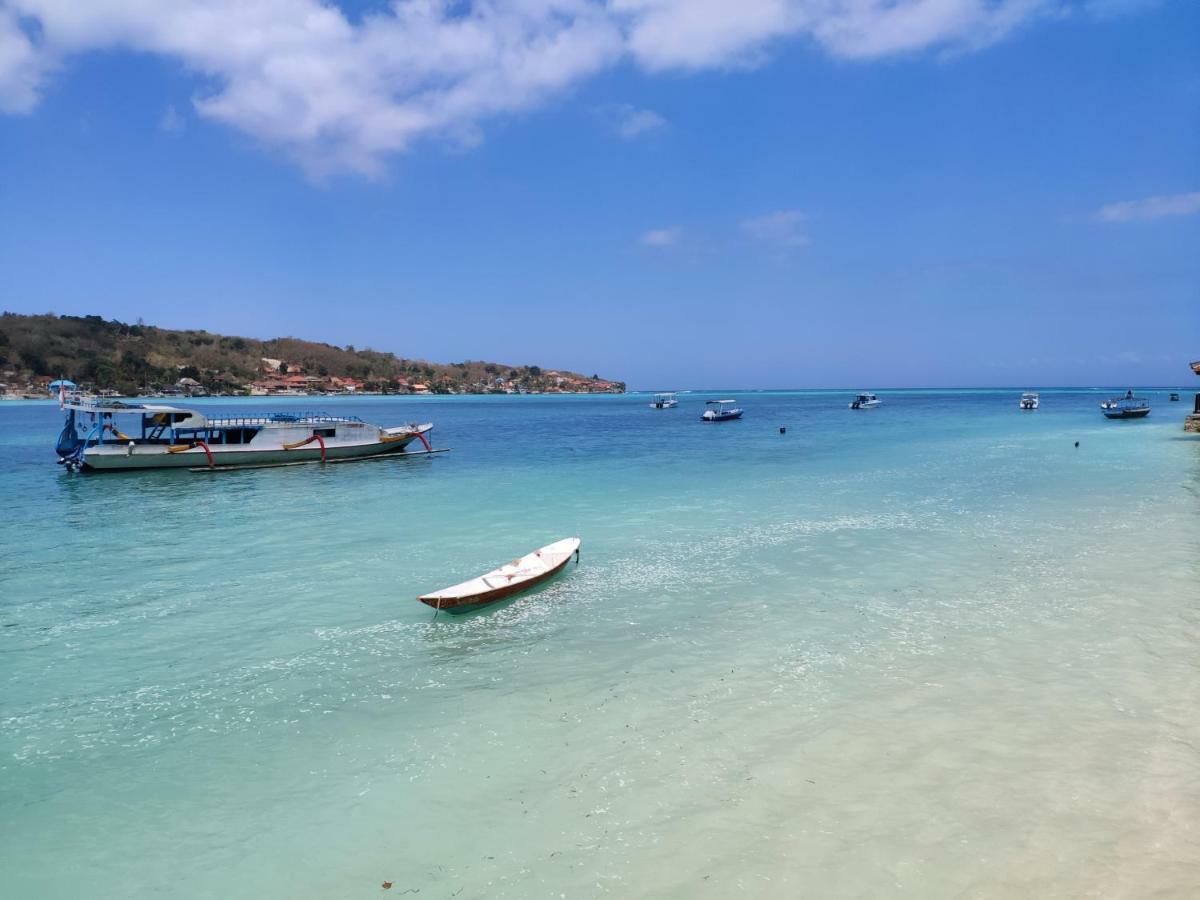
(929, 650)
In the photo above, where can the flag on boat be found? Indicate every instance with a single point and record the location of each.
(61, 387)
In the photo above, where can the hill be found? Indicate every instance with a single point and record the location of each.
(113, 355)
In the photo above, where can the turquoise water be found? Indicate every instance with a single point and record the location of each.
(930, 650)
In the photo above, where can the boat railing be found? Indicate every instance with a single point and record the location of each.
(300, 418)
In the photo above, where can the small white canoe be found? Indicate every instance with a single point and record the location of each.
(512, 578)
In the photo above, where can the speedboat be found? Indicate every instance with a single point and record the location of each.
(664, 401)
(865, 401)
(720, 411)
(102, 435)
(1127, 407)
(1029, 400)
(506, 581)
(1174, 397)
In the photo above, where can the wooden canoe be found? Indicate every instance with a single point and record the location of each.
(511, 578)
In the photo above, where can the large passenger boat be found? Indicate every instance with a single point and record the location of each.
(104, 435)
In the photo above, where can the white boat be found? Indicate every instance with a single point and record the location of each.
(111, 435)
(865, 400)
(507, 580)
(664, 401)
(1029, 400)
(720, 411)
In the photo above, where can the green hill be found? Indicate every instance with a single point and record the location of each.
(113, 355)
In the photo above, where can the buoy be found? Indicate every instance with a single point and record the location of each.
(1077, 445)
(783, 429)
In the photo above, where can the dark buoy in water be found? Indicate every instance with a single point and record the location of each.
(783, 429)
(1077, 445)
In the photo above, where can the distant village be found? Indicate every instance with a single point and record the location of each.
(284, 379)
(279, 378)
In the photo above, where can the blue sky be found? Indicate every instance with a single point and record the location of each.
(763, 194)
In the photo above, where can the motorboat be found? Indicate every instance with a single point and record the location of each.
(1029, 400)
(720, 411)
(865, 400)
(103, 435)
(507, 580)
(664, 401)
(1174, 397)
(1127, 407)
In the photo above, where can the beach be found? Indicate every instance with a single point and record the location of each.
(929, 650)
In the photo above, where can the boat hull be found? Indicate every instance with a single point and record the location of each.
(477, 599)
(1126, 413)
(725, 417)
(116, 458)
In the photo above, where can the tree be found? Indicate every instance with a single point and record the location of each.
(35, 361)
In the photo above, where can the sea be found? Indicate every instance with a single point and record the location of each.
(943, 648)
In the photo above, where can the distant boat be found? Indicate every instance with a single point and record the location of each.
(664, 401)
(721, 411)
(1029, 400)
(1127, 407)
(1174, 397)
(506, 581)
(865, 400)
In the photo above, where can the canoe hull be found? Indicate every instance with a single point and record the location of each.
(484, 597)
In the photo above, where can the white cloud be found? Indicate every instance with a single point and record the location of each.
(661, 237)
(171, 121)
(635, 123)
(782, 230)
(337, 94)
(628, 121)
(21, 66)
(1158, 207)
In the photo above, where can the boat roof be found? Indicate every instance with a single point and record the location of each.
(720, 401)
(106, 405)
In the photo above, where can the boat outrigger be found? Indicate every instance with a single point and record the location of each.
(1127, 407)
(94, 437)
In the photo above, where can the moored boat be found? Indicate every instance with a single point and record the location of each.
(664, 401)
(1174, 397)
(1127, 407)
(102, 435)
(507, 580)
(865, 400)
(1029, 400)
(720, 411)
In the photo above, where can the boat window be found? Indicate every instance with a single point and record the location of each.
(324, 432)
